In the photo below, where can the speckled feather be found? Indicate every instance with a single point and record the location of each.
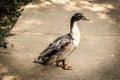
(58, 50)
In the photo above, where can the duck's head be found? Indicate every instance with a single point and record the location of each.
(78, 16)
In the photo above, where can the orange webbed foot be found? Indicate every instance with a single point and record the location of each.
(66, 67)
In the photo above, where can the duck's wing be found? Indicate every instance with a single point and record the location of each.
(56, 46)
(58, 50)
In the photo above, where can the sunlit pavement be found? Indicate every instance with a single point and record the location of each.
(97, 56)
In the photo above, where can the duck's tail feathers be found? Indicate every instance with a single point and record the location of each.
(40, 60)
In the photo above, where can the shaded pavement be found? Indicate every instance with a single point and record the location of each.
(97, 56)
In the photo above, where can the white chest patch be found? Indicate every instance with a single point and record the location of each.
(76, 43)
(75, 34)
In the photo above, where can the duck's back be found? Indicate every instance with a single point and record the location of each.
(58, 50)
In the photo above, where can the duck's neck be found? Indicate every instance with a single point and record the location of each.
(75, 33)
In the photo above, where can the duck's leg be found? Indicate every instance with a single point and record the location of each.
(65, 66)
(59, 64)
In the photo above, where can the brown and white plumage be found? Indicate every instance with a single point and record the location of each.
(57, 50)
(63, 46)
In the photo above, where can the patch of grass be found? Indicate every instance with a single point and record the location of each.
(10, 10)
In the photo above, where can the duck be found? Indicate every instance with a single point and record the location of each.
(58, 50)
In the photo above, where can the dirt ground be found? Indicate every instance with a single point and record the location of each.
(96, 58)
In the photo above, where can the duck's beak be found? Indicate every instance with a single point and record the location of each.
(84, 18)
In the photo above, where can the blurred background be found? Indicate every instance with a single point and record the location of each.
(28, 26)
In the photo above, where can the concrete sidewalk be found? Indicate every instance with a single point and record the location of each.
(96, 58)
